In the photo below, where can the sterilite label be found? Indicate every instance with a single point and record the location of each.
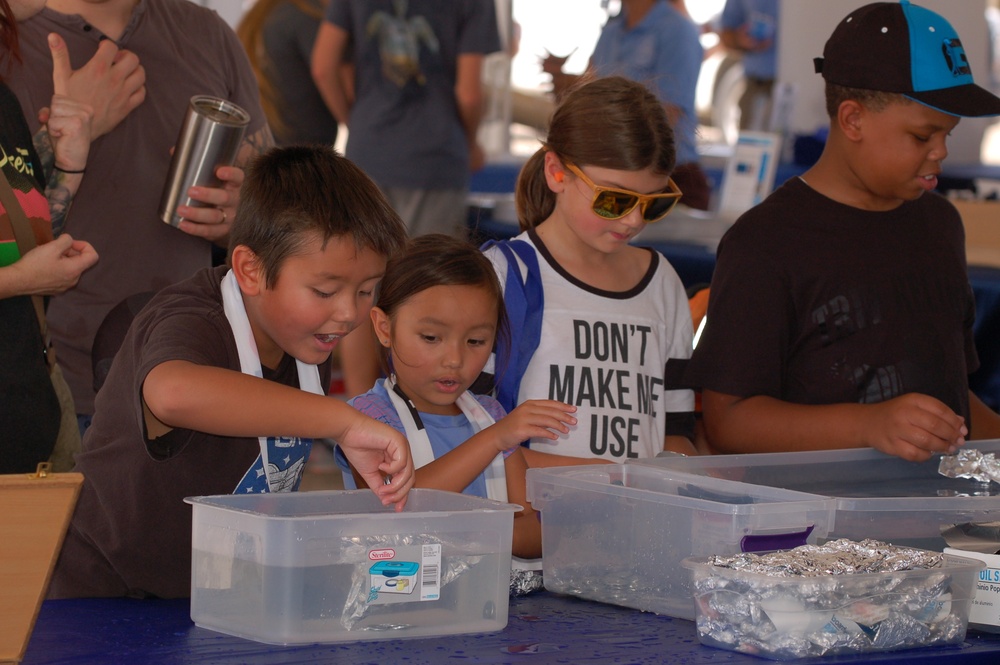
(404, 574)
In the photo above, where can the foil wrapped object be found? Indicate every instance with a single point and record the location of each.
(525, 576)
(838, 557)
(971, 463)
(523, 582)
(816, 600)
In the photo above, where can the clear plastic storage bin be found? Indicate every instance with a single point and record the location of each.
(877, 495)
(296, 568)
(785, 618)
(618, 533)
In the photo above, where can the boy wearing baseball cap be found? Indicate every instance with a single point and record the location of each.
(841, 312)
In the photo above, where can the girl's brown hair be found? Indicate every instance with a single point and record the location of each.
(610, 122)
(436, 259)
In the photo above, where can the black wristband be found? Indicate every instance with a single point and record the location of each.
(83, 170)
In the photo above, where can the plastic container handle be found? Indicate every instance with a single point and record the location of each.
(774, 541)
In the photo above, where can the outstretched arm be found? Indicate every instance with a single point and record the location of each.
(227, 403)
(455, 470)
(911, 426)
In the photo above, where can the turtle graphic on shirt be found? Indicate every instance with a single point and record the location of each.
(399, 41)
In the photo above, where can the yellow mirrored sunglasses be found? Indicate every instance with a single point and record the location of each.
(614, 203)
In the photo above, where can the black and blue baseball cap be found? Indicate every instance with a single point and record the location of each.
(903, 48)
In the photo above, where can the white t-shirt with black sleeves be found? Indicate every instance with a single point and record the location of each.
(606, 353)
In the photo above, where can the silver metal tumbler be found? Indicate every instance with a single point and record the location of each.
(210, 137)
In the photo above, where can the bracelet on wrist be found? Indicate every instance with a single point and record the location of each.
(70, 171)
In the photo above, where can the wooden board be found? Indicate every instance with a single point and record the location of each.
(982, 232)
(35, 510)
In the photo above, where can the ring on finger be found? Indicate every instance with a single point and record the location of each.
(223, 211)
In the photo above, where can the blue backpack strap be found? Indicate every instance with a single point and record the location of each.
(525, 303)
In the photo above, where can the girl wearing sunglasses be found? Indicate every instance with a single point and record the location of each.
(614, 315)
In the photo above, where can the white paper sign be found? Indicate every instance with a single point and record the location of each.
(750, 172)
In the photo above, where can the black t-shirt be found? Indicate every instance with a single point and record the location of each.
(29, 408)
(816, 302)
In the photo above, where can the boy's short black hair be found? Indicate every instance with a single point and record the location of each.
(873, 100)
(290, 193)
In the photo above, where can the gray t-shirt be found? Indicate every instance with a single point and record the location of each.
(405, 128)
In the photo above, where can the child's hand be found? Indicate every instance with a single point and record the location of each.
(379, 454)
(914, 427)
(536, 418)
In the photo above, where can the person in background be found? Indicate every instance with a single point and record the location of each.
(655, 43)
(681, 7)
(44, 173)
(439, 316)
(185, 50)
(219, 383)
(278, 36)
(750, 28)
(414, 118)
(615, 321)
(841, 312)
(418, 88)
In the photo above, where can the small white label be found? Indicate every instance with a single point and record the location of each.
(430, 569)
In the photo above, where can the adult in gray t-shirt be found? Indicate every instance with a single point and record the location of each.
(418, 96)
(186, 50)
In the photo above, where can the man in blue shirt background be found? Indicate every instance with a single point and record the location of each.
(750, 27)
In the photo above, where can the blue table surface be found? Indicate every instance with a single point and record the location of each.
(542, 628)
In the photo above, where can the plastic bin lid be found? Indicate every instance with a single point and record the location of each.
(394, 568)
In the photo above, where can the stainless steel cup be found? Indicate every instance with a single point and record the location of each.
(210, 137)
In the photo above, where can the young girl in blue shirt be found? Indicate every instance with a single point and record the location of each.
(438, 317)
